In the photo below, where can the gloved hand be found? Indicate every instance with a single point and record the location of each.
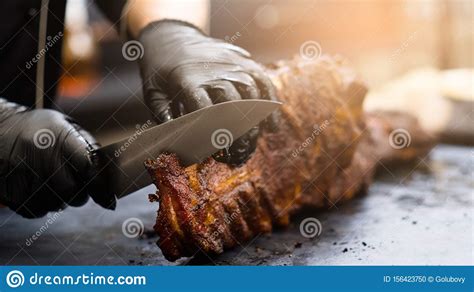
(45, 160)
(184, 70)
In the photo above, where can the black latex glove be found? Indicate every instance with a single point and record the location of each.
(45, 161)
(184, 70)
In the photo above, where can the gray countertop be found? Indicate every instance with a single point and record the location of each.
(420, 217)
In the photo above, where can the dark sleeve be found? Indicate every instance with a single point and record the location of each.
(112, 9)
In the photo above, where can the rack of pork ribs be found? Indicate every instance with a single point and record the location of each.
(325, 151)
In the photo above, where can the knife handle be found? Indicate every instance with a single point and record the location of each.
(100, 183)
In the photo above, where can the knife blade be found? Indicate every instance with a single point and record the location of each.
(193, 137)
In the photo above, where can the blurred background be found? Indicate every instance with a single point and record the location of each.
(416, 56)
(383, 39)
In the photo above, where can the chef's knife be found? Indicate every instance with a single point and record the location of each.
(193, 137)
